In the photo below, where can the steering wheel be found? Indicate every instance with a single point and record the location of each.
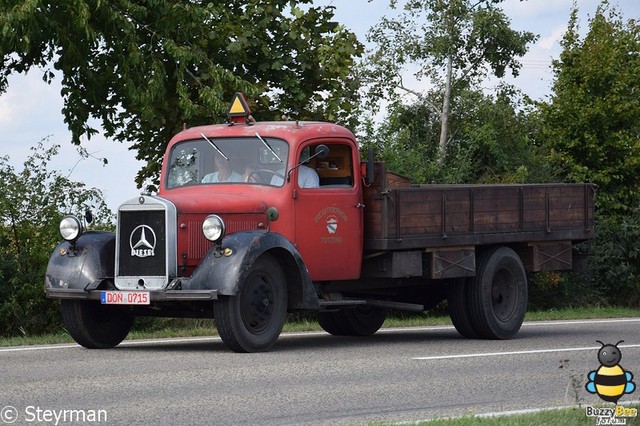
(259, 177)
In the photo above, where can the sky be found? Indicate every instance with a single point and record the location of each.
(30, 109)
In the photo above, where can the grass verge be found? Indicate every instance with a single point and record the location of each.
(563, 416)
(159, 328)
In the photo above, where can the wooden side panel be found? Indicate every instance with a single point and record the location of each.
(378, 208)
(433, 212)
(556, 207)
(459, 215)
(497, 209)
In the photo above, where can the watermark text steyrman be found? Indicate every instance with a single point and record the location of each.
(10, 414)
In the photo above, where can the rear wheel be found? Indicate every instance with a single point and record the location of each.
(331, 324)
(358, 321)
(252, 320)
(498, 294)
(458, 302)
(96, 326)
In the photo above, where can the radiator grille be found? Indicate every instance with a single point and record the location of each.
(198, 245)
(142, 243)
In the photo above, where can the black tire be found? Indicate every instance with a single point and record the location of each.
(458, 302)
(498, 294)
(252, 320)
(96, 326)
(331, 324)
(359, 321)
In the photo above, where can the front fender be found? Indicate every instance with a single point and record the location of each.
(84, 264)
(224, 269)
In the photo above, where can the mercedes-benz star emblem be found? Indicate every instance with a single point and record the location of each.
(145, 241)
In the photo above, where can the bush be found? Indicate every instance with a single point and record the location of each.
(32, 202)
(561, 290)
(615, 263)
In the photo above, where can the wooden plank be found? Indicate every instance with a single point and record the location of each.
(476, 214)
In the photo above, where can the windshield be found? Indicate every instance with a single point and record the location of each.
(208, 161)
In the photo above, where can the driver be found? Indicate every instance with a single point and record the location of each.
(224, 173)
(307, 177)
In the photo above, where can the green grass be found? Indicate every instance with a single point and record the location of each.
(565, 416)
(164, 328)
(582, 313)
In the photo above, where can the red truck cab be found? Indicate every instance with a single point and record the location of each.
(268, 165)
(248, 220)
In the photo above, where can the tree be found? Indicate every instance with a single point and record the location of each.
(32, 202)
(144, 68)
(592, 122)
(491, 141)
(591, 125)
(452, 43)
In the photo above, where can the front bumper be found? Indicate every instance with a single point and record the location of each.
(155, 296)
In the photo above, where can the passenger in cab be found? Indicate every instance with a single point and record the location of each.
(224, 172)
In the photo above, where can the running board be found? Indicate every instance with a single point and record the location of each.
(370, 302)
(401, 306)
(341, 303)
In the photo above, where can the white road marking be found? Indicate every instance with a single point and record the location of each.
(38, 348)
(525, 324)
(580, 322)
(540, 351)
(532, 351)
(125, 343)
(384, 330)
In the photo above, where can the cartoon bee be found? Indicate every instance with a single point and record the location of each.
(610, 381)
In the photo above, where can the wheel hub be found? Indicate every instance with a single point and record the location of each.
(503, 295)
(257, 305)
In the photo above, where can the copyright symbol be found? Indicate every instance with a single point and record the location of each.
(9, 414)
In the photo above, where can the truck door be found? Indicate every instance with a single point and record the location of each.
(329, 217)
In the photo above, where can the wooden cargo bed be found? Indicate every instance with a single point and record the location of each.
(401, 216)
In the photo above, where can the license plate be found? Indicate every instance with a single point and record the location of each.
(125, 298)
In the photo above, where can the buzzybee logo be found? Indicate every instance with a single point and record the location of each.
(142, 241)
(610, 381)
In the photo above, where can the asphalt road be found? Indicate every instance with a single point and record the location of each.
(396, 375)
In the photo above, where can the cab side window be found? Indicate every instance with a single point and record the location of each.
(336, 169)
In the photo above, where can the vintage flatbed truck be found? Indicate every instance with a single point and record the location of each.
(253, 220)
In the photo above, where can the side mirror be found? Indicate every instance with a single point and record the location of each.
(322, 151)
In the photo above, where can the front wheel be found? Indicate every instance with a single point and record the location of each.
(96, 326)
(252, 320)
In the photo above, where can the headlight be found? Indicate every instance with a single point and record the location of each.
(213, 228)
(70, 228)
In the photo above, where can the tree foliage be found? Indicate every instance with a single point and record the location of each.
(592, 122)
(592, 127)
(143, 68)
(33, 201)
(491, 141)
(451, 44)
(616, 259)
